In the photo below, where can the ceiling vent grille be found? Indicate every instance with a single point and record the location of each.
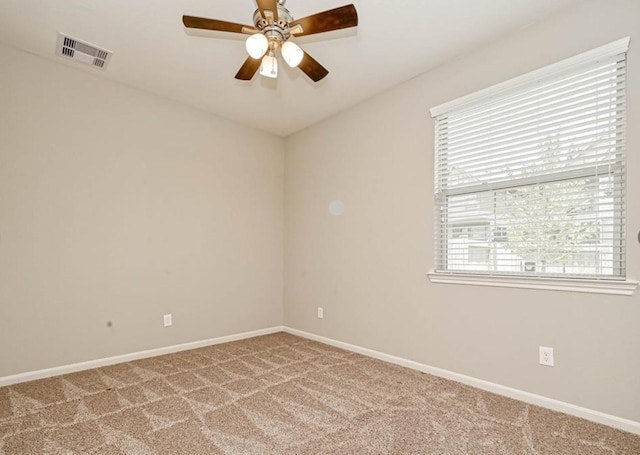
(83, 52)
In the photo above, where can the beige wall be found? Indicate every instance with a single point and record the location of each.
(368, 267)
(116, 205)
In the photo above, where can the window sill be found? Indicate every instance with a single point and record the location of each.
(626, 287)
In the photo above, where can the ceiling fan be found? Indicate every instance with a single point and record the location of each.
(273, 28)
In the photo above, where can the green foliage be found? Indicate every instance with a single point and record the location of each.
(545, 222)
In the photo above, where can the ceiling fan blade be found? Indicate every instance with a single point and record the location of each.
(271, 5)
(327, 21)
(312, 68)
(213, 24)
(248, 69)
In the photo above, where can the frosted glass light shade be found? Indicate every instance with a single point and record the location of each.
(257, 44)
(269, 66)
(292, 54)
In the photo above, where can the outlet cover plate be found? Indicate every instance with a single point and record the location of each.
(168, 320)
(320, 312)
(546, 356)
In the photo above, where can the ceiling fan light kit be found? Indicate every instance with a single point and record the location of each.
(273, 28)
(257, 45)
(291, 53)
(269, 66)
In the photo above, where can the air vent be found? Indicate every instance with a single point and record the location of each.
(83, 52)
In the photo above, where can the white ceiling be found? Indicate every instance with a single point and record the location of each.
(394, 41)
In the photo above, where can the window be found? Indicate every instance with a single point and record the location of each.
(530, 174)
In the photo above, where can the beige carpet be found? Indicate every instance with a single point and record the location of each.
(281, 394)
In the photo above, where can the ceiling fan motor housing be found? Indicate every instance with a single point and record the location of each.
(276, 31)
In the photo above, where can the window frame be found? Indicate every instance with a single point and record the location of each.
(608, 285)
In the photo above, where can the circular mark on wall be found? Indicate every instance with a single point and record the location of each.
(336, 208)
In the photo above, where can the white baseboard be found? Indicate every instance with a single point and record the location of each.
(74, 367)
(531, 398)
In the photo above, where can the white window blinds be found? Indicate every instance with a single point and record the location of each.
(530, 174)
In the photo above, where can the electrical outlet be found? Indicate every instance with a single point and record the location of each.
(546, 356)
(320, 312)
(168, 320)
